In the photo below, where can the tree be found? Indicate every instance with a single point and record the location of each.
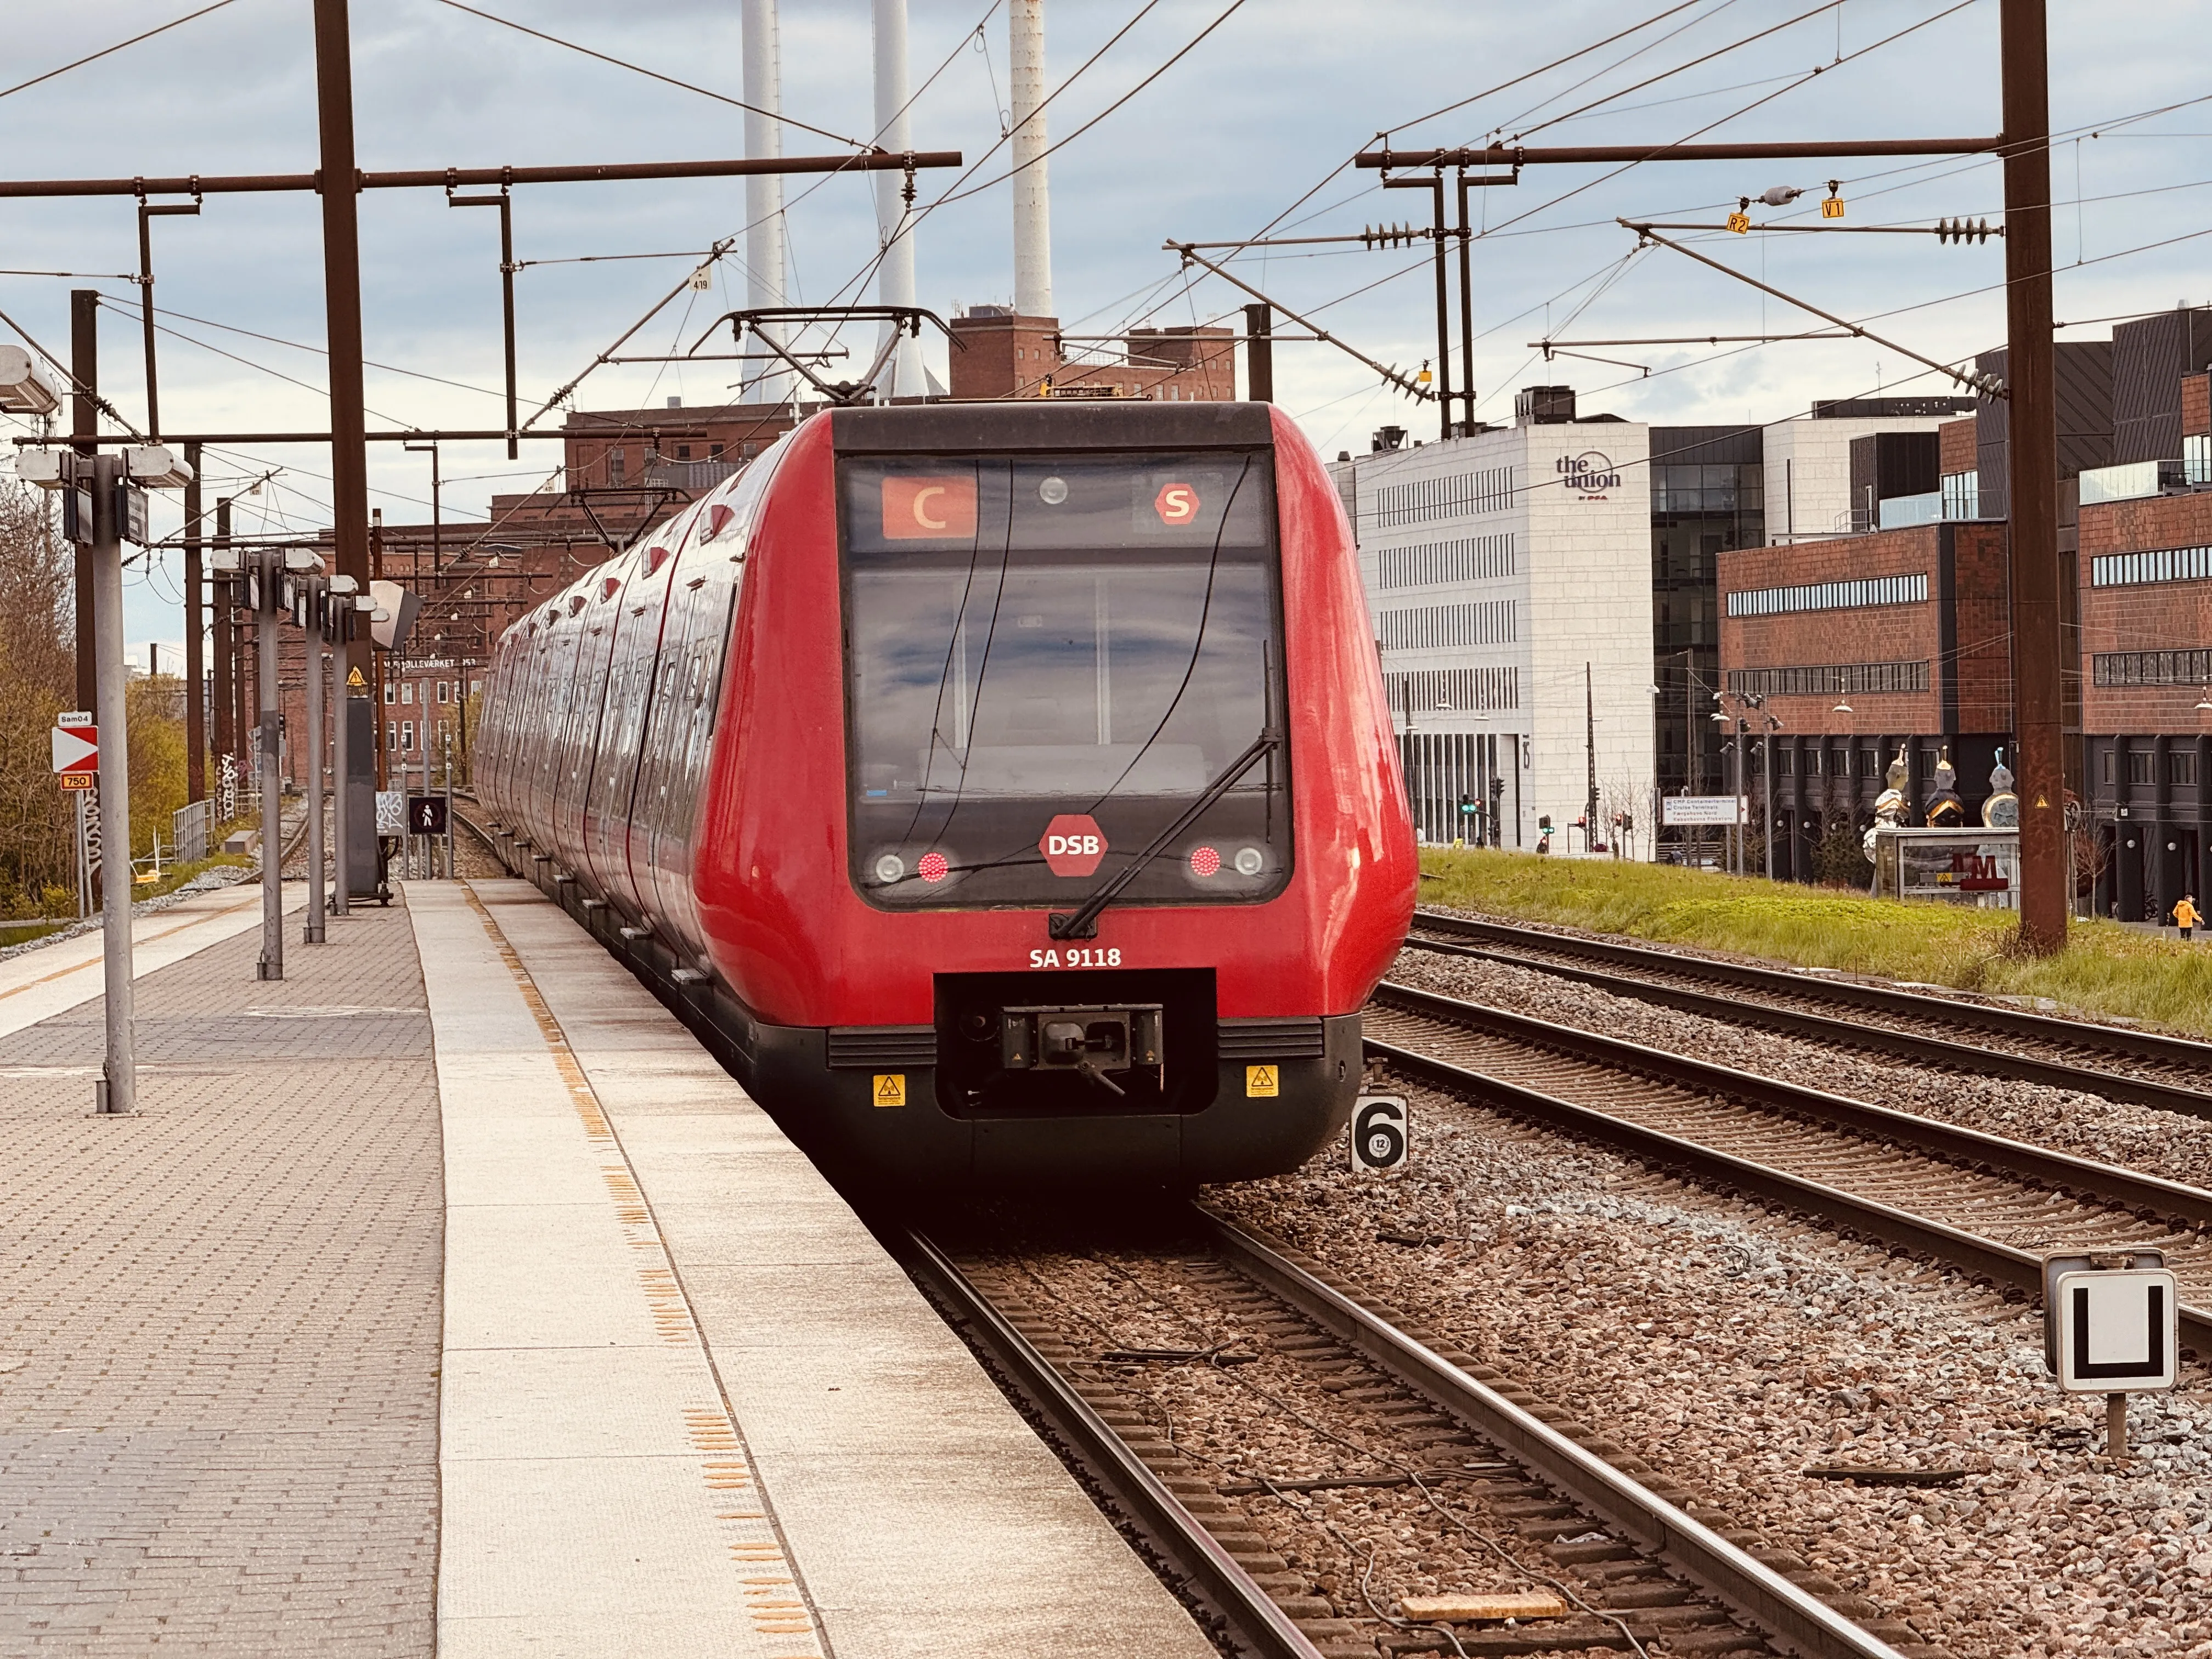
(38, 680)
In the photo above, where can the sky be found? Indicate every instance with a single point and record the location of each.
(1248, 131)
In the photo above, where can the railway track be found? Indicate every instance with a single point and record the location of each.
(2142, 1068)
(1985, 1206)
(1414, 1433)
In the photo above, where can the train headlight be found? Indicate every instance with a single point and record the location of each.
(1251, 860)
(891, 868)
(1053, 491)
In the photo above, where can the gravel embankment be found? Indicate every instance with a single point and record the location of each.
(2143, 1137)
(1733, 1349)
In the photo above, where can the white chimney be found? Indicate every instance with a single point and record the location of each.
(1032, 194)
(763, 79)
(895, 133)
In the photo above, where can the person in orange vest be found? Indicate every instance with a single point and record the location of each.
(2186, 916)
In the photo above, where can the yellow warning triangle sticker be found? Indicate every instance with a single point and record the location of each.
(355, 681)
(890, 1088)
(2043, 802)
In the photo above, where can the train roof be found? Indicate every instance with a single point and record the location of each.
(1046, 424)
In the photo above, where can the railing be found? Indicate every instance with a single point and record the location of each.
(2131, 481)
(697, 477)
(189, 830)
(1898, 511)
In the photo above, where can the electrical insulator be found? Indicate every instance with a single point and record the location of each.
(1963, 230)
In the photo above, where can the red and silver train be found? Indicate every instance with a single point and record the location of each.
(1007, 790)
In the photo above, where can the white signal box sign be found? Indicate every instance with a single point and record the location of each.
(2112, 1330)
(1382, 1133)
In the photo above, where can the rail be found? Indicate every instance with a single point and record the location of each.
(2144, 1196)
(1845, 1033)
(1258, 1626)
(2010, 1022)
(1799, 1621)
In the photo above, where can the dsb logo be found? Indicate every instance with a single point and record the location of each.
(1072, 844)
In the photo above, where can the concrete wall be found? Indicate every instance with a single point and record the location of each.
(1809, 472)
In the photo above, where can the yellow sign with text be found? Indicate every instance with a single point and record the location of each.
(1261, 1083)
(890, 1088)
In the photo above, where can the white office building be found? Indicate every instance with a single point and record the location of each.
(1508, 579)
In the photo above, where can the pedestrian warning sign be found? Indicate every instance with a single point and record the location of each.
(1260, 1083)
(890, 1088)
(353, 681)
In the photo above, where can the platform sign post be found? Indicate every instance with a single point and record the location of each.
(2112, 1325)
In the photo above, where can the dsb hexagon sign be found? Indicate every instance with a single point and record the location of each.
(1072, 844)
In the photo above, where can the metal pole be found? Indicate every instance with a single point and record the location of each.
(507, 305)
(2116, 1427)
(1766, 787)
(118, 1088)
(311, 652)
(449, 810)
(1466, 309)
(342, 289)
(83, 863)
(270, 566)
(1259, 353)
(2033, 470)
(84, 423)
(1443, 317)
(196, 744)
(342, 755)
(1590, 756)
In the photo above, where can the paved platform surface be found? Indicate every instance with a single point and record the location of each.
(219, 1319)
(447, 1297)
(691, 1406)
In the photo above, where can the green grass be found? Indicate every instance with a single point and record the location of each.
(2106, 968)
(22, 932)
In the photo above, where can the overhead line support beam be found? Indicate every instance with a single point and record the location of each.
(1518, 156)
(247, 183)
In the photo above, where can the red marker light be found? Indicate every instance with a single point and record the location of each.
(934, 867)
(1204, 861)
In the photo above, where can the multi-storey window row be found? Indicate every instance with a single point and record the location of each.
(2164, 564)
(1860, 595)
(1487, 490)
(2141, 762)
(1470, 558)
(1456, 691)
(1830, 679)
(1479, 622)
(2152, 668)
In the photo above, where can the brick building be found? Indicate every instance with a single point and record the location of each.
(2145, 599)
(1859, 648)
(996, 354)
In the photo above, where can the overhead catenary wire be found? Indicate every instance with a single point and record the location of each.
(655, 75)
(93, 58)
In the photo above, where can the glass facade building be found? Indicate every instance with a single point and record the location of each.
(1708, 494)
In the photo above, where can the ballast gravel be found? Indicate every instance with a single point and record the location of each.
(2145, 1138)
(1734, 1349)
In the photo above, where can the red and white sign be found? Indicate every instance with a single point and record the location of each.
(929, 508)
(1176, 504)
(1072, 844)
(76, 748)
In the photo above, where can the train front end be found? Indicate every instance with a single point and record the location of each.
(1059, 836)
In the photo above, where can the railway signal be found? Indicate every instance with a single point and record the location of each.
(2111, 1326)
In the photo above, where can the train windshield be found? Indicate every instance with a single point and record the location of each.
(1050, 661)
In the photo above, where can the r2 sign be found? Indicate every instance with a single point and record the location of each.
(1382, 1130)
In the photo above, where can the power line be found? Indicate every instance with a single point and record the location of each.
(654, 75)
(175, 22)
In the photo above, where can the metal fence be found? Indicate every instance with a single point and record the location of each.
(189, 830)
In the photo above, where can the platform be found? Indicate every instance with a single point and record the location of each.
(448, 1297)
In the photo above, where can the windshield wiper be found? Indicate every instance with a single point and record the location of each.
(1083, 922)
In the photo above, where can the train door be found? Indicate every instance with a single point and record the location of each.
(585, 714)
